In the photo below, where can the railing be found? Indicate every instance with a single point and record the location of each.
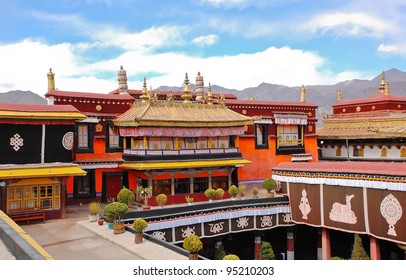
(141, 152)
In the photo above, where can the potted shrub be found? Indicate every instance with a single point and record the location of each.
(193, 245)
(241, 189)
(114, 212)
(219, 193)
(161, 199)
(233, 191)
(210, 194)
(94, 208)
(145, 194)
(231, 257)
(266, 251)
(269, 185)
(125, 196)
(139, 225)
(255, 192)
(189, 200)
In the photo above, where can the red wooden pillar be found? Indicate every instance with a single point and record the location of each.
(290, 239)
(375, 250)
(257, 246)
(325, 244)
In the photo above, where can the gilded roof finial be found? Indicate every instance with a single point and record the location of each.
(209, 95)
(144, 92)
(382, 86)
(302, 94)
(338, 94)
(186, 96)
(51, 80)
(386, 88)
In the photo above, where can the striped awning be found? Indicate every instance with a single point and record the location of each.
(183, 164)
(286, 119)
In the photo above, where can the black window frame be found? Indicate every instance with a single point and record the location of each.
(91, 174)
(120, 140)
(90, 140)
(265, 138)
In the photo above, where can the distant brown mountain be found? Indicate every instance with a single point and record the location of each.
(22, 97)
(322, 95)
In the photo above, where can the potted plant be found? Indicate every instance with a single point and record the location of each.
(145, 194)
(114, 212)
(219, 193)
(269, 185)
(189, 200)
(210, 194)
(193, 245)
(139, 225)
(266, 251)
(125, 196)
(231, 257)
(94, 208)
(233, 191)
(255, 192)
(161, 199)
(358, 251)
(241, 189)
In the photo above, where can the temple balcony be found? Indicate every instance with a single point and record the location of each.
(181, 154)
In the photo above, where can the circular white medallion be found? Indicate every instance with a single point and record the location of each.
(67, 140)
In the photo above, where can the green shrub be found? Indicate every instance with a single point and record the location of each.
(231, 257)
(358, 251)
(161, 199)
(193, 244)
(269, 185)
(336, 258)
(219, 193)
(114, 211)
(94, 208)
(255, 191)
(125, 196)
(233, 190)
(210, 193)
(266, 251)
(139, 225)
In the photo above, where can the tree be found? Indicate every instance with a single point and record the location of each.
(266, 252)
(358, 251)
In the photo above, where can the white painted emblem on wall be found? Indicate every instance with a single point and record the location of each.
(67, 141)
(287, 218)
(392, 211)
(266, 221)
(242, 222)
(188, 231)
(16, 142)
(342, 212)
(304, 205)
(159, 235)
(217, 227)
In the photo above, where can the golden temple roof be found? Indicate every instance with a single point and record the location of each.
(173, 114)
(383, 125)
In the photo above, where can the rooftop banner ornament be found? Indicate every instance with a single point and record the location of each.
(287, 119)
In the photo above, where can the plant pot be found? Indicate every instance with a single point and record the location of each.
(193, 256)
(255, 196)
(189, 203)
(110, 225)
(100, 222)
(210, 200)
(270, 194)
(118, 228)
(93, 218)
(138, 237)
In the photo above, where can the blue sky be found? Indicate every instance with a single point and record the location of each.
(233, 43)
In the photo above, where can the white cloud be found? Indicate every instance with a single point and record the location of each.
(398, 48)
(348, 24)
(207, 40)
(25, 65)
